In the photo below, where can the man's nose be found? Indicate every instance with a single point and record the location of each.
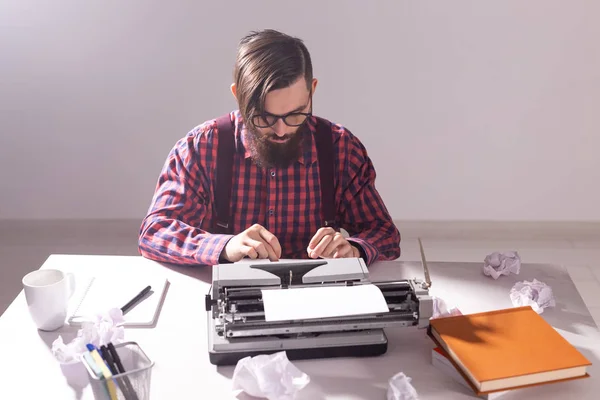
(280, 128)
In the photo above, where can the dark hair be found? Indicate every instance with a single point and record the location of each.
(268, 60)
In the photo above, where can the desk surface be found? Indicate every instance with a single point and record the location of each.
(178, 341)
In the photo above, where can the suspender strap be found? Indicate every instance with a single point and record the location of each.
(324, 142)
(226, 143)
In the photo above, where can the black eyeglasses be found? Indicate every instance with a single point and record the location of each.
(291, 119)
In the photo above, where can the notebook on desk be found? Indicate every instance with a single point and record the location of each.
(97, 295)
(507, 349)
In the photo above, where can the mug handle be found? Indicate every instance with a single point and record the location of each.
(71, 279)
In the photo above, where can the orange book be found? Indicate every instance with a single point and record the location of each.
(507, 349)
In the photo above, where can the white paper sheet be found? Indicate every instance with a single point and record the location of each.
(322, 302)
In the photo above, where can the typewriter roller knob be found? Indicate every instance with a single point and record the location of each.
(209, 302)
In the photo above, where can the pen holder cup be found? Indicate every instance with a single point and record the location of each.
(134, 384)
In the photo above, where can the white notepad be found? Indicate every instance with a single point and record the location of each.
(97, 295)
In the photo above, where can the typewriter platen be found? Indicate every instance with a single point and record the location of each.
(237, 326)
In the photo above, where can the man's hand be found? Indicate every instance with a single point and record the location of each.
(328, 243)
(254, 242)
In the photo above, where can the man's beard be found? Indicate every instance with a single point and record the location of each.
(270, 154)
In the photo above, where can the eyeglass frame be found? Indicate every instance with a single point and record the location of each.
(307, 115)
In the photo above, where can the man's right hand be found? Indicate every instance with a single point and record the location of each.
(254, 242)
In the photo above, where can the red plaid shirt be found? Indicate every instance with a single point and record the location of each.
(287, 202)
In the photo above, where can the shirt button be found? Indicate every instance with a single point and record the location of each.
(271, 212)
(273, 174)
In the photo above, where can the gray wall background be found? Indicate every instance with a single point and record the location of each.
(470, 110)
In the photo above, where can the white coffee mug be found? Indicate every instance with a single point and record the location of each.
(48, 292)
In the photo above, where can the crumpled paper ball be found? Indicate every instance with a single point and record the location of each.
(497, 264)
(104, 329)
(400, 388)
(441, 309)
(536, 294)
(271, 376)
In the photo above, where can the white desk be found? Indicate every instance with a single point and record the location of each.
(178, 342)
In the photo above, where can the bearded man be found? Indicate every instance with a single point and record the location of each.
(270, 180)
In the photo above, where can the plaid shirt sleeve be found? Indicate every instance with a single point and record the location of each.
(363, 213)
(171, 231)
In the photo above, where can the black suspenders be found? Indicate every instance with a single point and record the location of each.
(225, 151)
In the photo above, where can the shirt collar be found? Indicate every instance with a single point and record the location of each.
(309, 151)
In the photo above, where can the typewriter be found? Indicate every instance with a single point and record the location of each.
(237, 327)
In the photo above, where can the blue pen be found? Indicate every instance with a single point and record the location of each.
(105, 371)
(91, 347)
(103, 356)
(109, 361)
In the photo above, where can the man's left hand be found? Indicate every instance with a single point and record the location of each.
(328, 243)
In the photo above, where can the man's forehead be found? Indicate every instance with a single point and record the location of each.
(289, 99)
